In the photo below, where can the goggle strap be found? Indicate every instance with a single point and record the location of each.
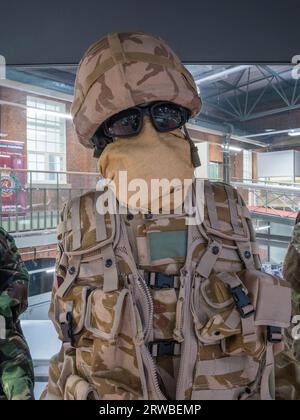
(194, 151)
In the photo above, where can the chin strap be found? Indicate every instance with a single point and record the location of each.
(194, 151)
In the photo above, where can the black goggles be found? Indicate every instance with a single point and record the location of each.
(165, 116)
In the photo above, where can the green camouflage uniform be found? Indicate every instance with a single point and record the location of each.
(16, 368)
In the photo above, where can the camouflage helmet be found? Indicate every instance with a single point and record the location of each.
(123, 70)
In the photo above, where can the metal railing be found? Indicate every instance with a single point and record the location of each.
(31, 200)
(275, 198)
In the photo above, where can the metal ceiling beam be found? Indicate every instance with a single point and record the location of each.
(270, 112)
(251, 82)
(290, 142)
(206, 128)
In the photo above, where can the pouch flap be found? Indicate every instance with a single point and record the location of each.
(274, 306)
(75, 303)
(104, 312)
(78, 388)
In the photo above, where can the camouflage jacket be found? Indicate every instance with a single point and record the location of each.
(288, 362)
(13, 278)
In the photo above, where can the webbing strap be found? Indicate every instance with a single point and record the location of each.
(248, 325)
(248, 229)
(265, 393)
(243, 211)
(110, 272)
(255, 248)
(233, 211)
(222, 366)
(63, 227)
(231, 279)
(116, 48)
(211, 206)
(76, 225)
(245, 217)
(101, 233)
(73, 268)
(248, 329)
(119, 58)
(200, 200)
(209, 258)
(245, 253)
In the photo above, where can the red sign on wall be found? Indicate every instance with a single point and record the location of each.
(12, 182)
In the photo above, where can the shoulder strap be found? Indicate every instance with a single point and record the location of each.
(76, 223)
(233, 211)
(72, 222)
(211, 206)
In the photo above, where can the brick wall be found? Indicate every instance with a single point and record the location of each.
(78, 158)
(32, 253)
(13, 122)
(13, 119)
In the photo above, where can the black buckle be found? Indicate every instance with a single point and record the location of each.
(67, 329)
(162, 281)
(162, 347)
(242, 300)
(274, 334)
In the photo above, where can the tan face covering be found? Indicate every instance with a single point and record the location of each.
(142, 162)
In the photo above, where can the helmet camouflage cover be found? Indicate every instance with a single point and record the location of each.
(122, 70)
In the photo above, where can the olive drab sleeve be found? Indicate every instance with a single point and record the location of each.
(16, 368)
(13, 274)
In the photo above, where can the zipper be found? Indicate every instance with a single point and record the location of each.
(145, 292)
(149, 359)
(153, 374)
(148, 309)
(185, 349)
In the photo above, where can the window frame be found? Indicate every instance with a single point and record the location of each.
(61, 133)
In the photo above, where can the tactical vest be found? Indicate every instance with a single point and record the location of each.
(150, 308)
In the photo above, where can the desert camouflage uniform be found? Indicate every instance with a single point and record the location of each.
(107, 315)
(16, 369)
(288, 362)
